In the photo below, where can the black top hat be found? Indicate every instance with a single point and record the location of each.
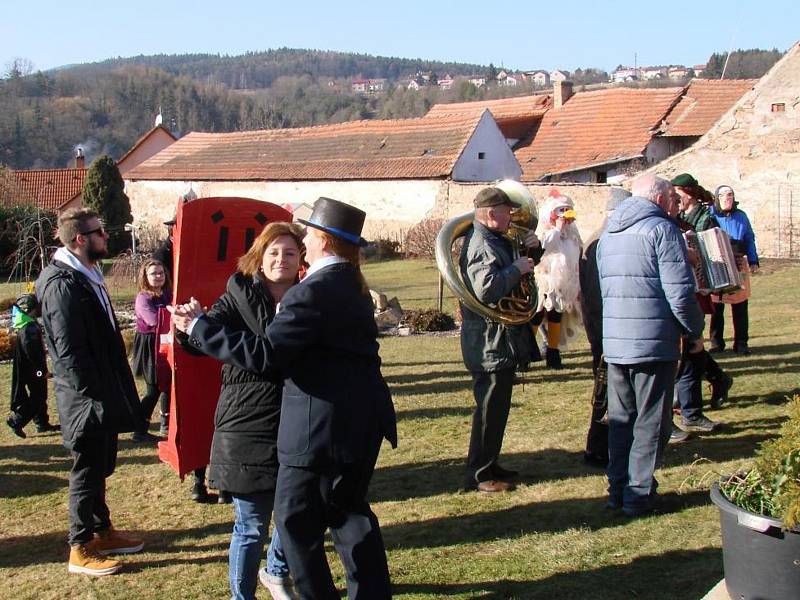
(339, 219)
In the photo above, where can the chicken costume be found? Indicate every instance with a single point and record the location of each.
(557, 274)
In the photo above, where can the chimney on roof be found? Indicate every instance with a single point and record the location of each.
(80, 161)
(562, 91)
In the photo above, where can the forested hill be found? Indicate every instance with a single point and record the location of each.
(106, 106)
(255, 70)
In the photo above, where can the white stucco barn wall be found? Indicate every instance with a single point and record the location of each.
(392, 206)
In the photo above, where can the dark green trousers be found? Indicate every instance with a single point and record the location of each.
(492, 402)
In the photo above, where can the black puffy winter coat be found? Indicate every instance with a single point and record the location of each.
(95, 390)
(243, 452)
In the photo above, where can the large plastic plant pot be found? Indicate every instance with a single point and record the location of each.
(761, 561)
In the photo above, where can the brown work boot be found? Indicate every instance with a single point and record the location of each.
(112, 541)
(84, 559)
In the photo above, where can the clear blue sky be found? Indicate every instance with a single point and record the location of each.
(525, 34)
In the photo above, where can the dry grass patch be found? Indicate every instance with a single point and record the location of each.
(552, 538)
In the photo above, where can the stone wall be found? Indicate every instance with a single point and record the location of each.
(391, 206)
(755, 148)
(590, 201)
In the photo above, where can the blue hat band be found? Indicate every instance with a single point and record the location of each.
(355, 239)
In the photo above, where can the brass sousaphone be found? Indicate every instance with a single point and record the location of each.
(518, 308)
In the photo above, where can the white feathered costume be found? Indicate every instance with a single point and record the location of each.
(557, 273)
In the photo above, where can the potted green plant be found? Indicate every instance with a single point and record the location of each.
(759, 518)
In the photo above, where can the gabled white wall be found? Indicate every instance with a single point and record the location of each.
(499, 161)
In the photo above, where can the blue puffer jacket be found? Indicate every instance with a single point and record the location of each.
(737, 226)
(647, 286)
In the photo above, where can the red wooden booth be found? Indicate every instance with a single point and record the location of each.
(209, 237)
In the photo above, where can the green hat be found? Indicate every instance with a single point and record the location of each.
(685, 180)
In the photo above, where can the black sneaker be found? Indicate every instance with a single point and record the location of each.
(719, 390)
(701, 423)
(714, 348)
(224, 497)
(16, 428)
(200, 494)
(741, 348)
(144, 438)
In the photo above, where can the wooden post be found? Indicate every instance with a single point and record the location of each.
(440, 294)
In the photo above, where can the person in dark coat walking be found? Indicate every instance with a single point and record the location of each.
(596, 452)
(95, 390)
(244, 456)
(336, 407)
(29, 370)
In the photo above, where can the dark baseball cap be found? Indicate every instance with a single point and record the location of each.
(492, 196)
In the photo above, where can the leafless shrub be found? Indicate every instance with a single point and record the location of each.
(149, 237)
(124, 269)
(420, 240)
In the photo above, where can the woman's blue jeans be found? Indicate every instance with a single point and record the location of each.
(253, 512)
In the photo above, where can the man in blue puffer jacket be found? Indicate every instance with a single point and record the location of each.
(648, 304)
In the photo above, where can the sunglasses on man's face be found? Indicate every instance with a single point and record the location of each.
(101, 230)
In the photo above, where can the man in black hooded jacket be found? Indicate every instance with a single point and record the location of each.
(95, 391)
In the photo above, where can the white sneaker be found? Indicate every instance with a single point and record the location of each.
(280, 588)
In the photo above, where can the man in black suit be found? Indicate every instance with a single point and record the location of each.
(336, 407)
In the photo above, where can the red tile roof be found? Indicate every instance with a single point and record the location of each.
(50, 189)
(378, 149)
(704, 102)
(515, 116)
(595, 128)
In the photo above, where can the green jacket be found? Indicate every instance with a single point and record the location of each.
(699, 219)
(487, 270)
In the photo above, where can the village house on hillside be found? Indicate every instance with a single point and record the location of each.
(368, 86)
(395, 170)
(59, 189)
(540, 78)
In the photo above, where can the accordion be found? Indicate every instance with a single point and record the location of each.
(717, 271)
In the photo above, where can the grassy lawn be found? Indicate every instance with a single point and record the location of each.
(550, 539)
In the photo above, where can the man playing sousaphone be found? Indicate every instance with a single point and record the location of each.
(492, 351)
